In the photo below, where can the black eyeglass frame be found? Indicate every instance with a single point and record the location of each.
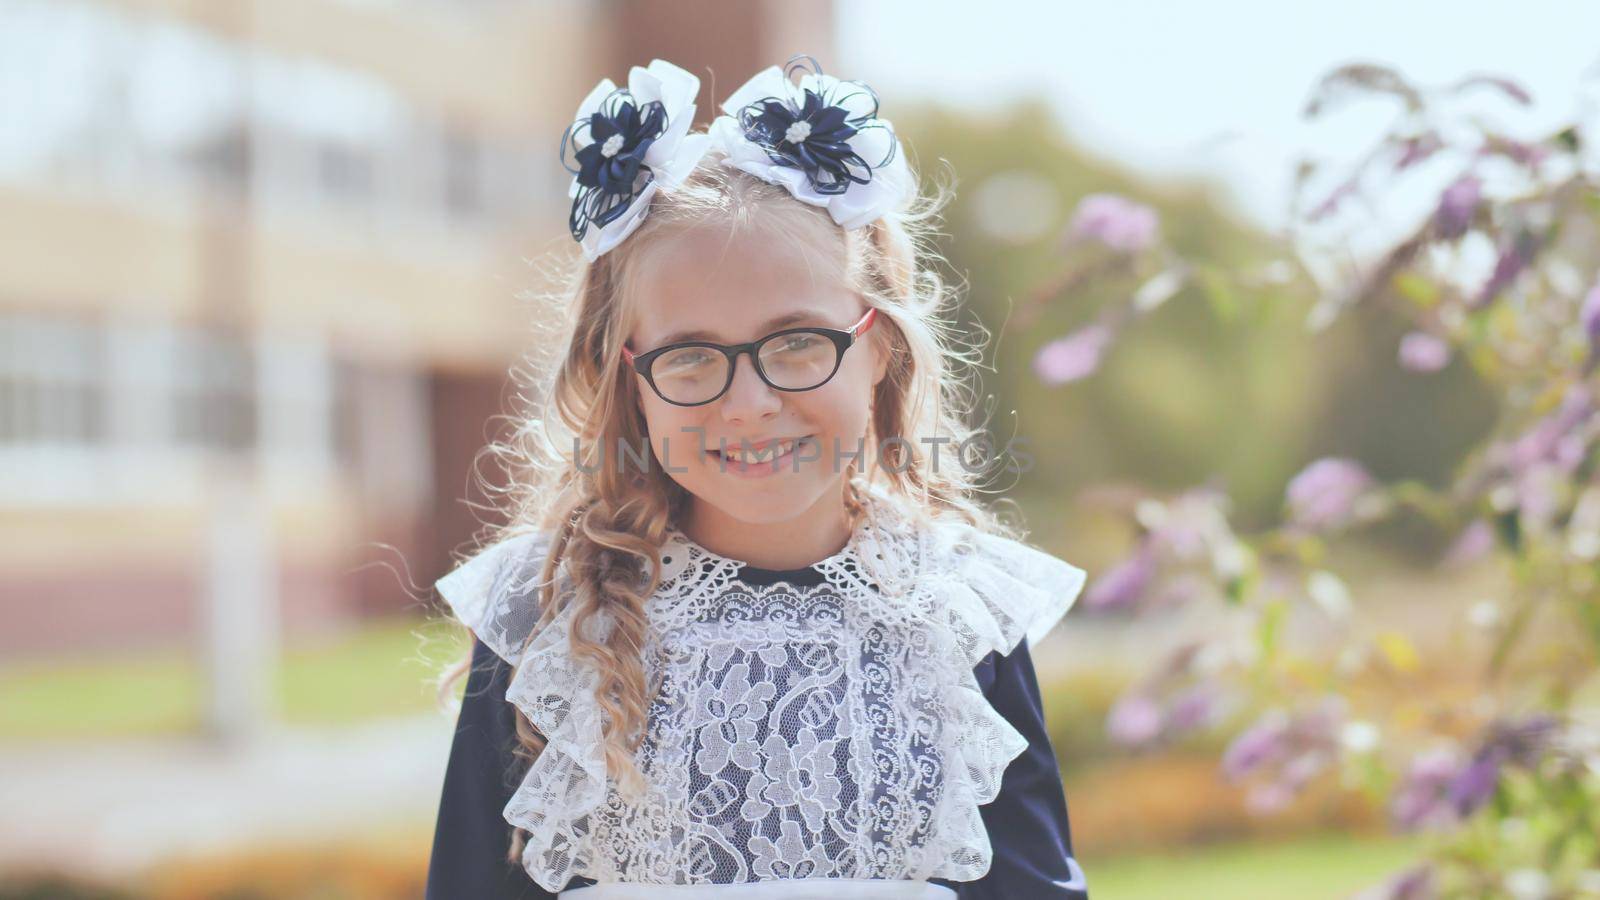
(843, 339)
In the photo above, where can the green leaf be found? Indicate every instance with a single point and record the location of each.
(1419, 290)
(1271, 628)
(1589, 611)
(1219, 292)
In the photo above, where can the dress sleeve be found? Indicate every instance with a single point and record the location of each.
(472, 834)
(1027, 821)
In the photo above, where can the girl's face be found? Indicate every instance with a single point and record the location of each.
(705, 285)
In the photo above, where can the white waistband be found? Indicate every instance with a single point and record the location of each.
(782, 889)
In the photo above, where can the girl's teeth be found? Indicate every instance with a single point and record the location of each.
(765, 453)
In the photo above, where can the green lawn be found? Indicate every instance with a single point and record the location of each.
(1323, 867)
(384, 669)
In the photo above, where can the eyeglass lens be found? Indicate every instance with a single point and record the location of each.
(797, 361)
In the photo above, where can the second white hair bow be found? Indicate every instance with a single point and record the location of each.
(820, 138)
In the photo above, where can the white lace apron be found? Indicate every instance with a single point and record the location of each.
(832, 738)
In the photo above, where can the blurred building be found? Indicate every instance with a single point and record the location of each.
(272, 248)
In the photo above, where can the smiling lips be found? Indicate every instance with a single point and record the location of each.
(756, 458)
(745, 453)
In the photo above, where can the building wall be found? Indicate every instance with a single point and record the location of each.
(278, 245)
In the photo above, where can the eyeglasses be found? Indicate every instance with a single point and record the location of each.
(694, 373)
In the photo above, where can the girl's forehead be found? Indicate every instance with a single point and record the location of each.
(724, 287)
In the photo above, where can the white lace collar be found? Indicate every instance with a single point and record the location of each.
(947, 593)
(884, 551)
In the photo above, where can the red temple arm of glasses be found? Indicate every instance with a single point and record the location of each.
(856, 330)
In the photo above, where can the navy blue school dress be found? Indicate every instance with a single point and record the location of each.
(777, 765)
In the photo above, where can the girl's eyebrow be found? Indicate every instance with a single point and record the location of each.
(770, 325)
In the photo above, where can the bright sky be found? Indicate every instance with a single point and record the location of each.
(1172, 87)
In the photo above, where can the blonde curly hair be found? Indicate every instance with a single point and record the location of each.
(607, 523)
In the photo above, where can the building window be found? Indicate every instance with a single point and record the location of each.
(52, 384)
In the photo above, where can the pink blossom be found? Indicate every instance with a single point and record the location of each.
(1422, 352)
(1072, 357)
(1324, 494)
(1257, 745)
(1115, 221)
(1135, 719)
(1474, 541)
(1191, 709)
(1125, 583)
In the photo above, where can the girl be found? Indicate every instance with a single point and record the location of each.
(748, 623)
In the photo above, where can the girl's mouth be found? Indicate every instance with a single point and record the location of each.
(748, 463)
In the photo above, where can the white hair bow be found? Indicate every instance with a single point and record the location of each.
(820, 138)
(623, 145)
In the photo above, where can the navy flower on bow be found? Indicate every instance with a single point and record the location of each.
(623, 145)
(814, 134)
(821, 139)
(610, 166)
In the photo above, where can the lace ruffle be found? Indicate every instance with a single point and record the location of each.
(495, 593)
(951, 593)
(568, 780)
(990, 593)
(1000, 591)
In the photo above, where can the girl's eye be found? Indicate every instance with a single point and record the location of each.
(680, 362)
(799, 342)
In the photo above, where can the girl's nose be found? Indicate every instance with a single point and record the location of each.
(748, 397)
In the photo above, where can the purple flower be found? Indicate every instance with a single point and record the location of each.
(1516, 253)
(1191, 709)
(1550, 439)
(1324, 494)
(1135, 719)
(1474, 541)
(1289, 749)
(1072, 357)
(1422, 352)
(1115, 221)
(1440, 788)
(1589, 315)
(1508, 742)
(1125, 583)
(1257, 745)
(1524, 741)
(1457, 206)
(1421, 798)
(1415, 883)
(1475, 784)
